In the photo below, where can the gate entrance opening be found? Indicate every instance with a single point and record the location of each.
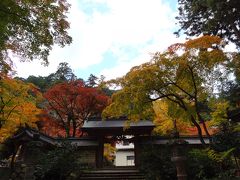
(122, 134)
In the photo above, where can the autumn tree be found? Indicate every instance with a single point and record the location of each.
(71, 103)
(166, 119)
(185, 76)
(29, 29)
(17, 106)
(213, 17)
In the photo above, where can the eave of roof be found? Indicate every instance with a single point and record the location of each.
(161, 140)
(118, 127)
(36, 135)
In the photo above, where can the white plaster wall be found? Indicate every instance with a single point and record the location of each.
(121, 158)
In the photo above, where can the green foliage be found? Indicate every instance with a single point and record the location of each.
(92, 81)
(231, 90)
(227, 140)
(58, 163)
(29, 29)
(204, 164)
(212, 17)
(219, 156)
(41, 82)
(64, 73)
(200, 166)
(219, 112)
(156, 163)
(231, 93)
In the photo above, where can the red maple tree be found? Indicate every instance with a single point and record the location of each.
(69, 104)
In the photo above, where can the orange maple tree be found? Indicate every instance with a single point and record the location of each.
(18, 106)
(68, 105)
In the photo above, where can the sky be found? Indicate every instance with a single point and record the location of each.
(110, 37)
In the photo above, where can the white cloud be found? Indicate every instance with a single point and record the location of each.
(128, 23)
(144, 56)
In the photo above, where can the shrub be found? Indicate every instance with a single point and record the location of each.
(59, 163)
(202, 166)
(156, 163)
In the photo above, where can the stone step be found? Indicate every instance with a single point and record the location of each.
(106, 173)
(114, 174)
(112, 178)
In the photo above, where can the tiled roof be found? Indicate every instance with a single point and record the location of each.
(116, 124)
(38, 136)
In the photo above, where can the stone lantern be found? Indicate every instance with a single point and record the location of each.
(178, 158)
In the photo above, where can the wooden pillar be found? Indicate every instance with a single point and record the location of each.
(100, 151)
(137, 151)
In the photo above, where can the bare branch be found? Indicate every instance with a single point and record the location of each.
(175, 84)
(10, 112)
(194, 82)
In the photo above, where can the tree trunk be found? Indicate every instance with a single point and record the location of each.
(13, 157)
(67, 129)
(199, 130)
(206, 131)
(74, 128)
(205, 127)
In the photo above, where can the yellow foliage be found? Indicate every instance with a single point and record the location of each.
(219, 113)
(164, 119)
(17, 106)
(109, 152)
